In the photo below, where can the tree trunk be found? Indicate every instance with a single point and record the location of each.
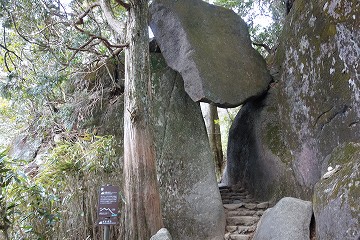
(215, 140)
(142, 209)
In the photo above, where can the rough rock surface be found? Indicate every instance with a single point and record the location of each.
(191, 201)
(258, 157)
(25, 147)
(336, 198)
(289, 219)
(312, 107)
(211, 48)
(162, 234)
(319, 82)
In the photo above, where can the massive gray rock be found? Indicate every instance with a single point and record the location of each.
(312, 107)
(289, 219)
(211, 48)
(336, 197)
(257, 155)
(319, 83)
(191, 202)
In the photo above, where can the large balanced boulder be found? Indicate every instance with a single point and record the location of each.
(337, 195)
(312, 107)
(210, 47)
(191, 202)
(289, 219)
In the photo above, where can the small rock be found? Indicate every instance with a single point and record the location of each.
(250, 206)
(162, 234)
(260, 213)
(246, 229)
(231, 228)
(263, 205)
(227, 236)
(233, 206)
(331, 171)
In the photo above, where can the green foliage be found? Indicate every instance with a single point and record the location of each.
(88, 155)
(226, 118)
(35, 201)
(41, 46)
(28, 209)
(264, 17)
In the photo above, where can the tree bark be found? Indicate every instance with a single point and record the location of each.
(142, 209)
(215, 140)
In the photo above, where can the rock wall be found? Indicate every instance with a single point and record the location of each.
(283, 143)
(319, 83)
(191, 201)
(336, 197)
(315, 100)
(258, 156)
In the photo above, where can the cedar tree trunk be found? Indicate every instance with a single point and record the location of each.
(142, 209)
(215, 140)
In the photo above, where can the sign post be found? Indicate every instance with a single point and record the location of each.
(108, 208)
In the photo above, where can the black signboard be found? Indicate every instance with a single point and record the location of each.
(108, 206)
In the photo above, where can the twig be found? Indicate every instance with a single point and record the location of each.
(267, 48)
(123, 4)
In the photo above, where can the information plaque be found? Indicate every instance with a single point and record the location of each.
(108, 206)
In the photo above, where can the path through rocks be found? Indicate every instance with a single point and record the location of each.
(242, 213)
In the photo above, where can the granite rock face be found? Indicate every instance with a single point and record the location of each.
(319, 83)
(257, 155)
(336, 197)
(311, 108)
(210, 47)
(191, 202)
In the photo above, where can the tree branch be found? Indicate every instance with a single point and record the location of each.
(267, 48)
(9, 51)
(123, 4)
(116, 25)
(80, 19)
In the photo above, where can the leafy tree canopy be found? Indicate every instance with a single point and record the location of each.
(255, 13)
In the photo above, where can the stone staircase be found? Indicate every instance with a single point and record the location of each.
(242, 213)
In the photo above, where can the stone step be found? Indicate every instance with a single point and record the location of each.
(263, 205)
(233, 206)
(241, 229)
(237, 196)
(235, 236)
(246, 229)
(247, 200)
(242, 220)
(241, 212)
(250, 205)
